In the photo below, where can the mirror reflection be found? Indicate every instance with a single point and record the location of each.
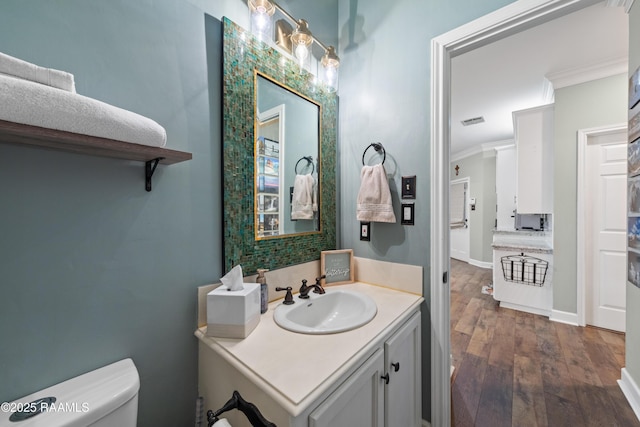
(287, 163)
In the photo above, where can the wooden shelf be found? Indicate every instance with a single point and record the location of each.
(16, 133)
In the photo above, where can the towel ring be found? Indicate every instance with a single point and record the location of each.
(378, 147)
(309, 160)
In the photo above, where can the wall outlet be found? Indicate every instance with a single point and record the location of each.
(365, 231)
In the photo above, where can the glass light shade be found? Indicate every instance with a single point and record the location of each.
(261, 13)
(301, 40)
(330, 64)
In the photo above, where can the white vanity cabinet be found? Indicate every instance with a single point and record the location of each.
(384, 391)
(366, 377)
(358, 402)
(533, 131)
(402, 398)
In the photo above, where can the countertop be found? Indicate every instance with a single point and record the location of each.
(523, 241)
(294, 368)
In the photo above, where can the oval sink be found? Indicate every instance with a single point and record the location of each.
(335, 311)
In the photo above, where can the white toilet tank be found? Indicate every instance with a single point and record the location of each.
(106, 397)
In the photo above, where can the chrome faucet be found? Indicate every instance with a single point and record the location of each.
(304, 289)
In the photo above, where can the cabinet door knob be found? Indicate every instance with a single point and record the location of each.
(385, 377)
(396, 366)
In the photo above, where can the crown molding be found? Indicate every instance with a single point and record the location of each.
(487, 149)
(624, 3)
(574, 76)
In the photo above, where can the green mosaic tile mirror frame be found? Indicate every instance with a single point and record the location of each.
(242, 55)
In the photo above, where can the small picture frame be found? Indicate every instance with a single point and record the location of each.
(337, 266)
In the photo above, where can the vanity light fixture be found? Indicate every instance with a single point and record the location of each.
(261, 13)
(298, 42)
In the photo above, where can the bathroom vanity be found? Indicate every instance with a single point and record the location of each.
(369, 376)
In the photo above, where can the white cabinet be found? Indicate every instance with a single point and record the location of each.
(358, 402)
(402, 399)
(533, 131)
(384, 391)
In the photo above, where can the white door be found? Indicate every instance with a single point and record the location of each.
(460, 236)
(606, 241)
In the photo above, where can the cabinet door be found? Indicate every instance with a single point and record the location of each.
(358, 402)
(533, 130)
(403, 399)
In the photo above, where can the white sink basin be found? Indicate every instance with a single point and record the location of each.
(335, 311)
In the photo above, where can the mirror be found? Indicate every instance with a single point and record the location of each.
(287, 131)
(245, 60)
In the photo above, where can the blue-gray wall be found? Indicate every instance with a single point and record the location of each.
(93, 268)
(384, 96)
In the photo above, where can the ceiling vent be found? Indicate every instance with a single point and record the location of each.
(473, 121)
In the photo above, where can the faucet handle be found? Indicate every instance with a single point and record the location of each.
(288, 298)
(318, 279)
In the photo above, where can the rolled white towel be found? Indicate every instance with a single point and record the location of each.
(15, 67)
(29, 103)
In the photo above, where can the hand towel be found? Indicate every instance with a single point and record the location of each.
(304, 203)
(27, 71)
(374, 197)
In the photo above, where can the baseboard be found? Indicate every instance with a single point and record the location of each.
(631, 391)
(564, 317)
(481, 264)
(525, 308)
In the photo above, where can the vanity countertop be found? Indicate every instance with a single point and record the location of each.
(294, 368)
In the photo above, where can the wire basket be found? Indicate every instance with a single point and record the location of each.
(524, 269)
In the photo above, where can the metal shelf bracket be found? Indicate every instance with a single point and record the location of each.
(149, 168)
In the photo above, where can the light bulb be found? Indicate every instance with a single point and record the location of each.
(302, 52)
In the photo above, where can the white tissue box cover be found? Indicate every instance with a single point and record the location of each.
(233, 314)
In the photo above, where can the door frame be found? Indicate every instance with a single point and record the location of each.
(581, 223)
(509, 20)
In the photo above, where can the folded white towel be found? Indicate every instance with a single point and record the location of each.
(26, 70)
(304, 203)
(374, 197)
(29, 103)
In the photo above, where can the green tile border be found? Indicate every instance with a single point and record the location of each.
(242, 55)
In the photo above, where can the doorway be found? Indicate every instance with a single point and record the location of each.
(507, 21)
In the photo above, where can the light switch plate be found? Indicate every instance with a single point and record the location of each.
(409, 187)
(408, 213)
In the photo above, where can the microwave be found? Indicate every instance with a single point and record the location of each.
(530, 222)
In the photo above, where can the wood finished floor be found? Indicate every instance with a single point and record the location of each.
(519, 369)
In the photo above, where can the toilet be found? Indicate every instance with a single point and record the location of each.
(105, 397)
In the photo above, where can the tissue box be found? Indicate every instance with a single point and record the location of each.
(233, 314)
